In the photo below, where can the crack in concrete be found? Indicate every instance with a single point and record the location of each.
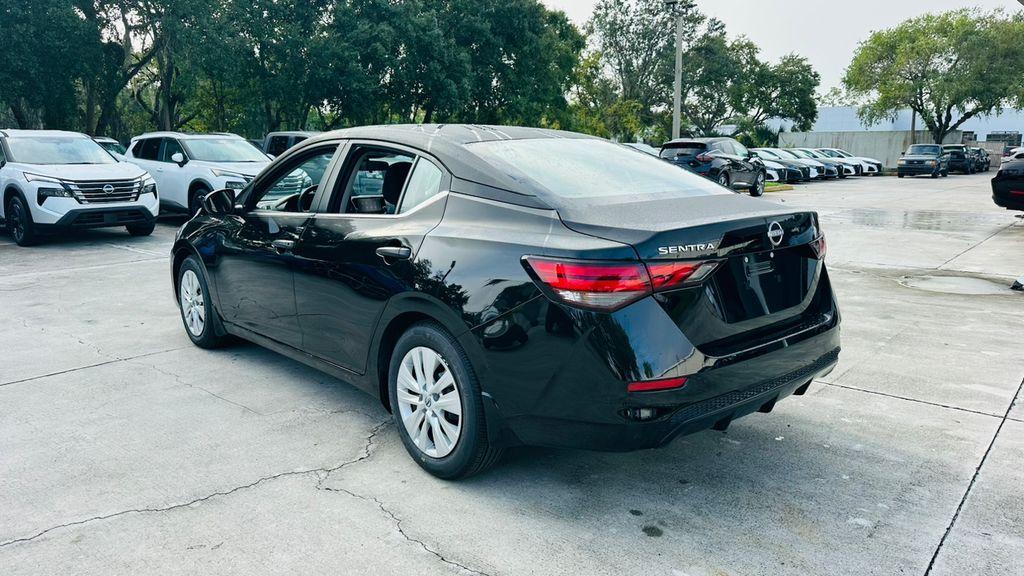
(974, 479)
(398, 526)
(908, 399)
(367, 451)
(96, 365)
(179, 379)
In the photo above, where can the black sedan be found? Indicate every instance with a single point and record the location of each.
(1008, 186)
(723, 160)
(960, 159)
(923, 159)
(498, 286)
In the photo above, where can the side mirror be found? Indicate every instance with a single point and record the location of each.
(178, 158)
(219, 202)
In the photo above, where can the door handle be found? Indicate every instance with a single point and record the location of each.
(394, 252)
(283, 246)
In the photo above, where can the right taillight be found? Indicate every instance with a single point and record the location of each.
(610, 285)
(820, 247)
(705, 157)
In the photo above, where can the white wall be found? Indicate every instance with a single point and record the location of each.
(885, 147)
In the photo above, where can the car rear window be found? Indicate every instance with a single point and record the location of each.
(924, 150)
(590, 168)
(682, 149)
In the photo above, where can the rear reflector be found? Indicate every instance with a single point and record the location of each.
(610, 285)
(1016, 192)
(656, 385)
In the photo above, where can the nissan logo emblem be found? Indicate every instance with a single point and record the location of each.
(775, 233)
(108, 189)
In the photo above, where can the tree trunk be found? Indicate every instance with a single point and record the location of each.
(20, 116)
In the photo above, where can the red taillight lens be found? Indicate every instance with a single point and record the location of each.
(665, 275)
(820, 247)
(656, 385)
(705, 157)
(612, 285)
(599, 285)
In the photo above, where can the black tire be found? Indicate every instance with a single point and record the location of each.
(945, 173)
(141, 229)
(19, 222)
(758, 188)
(723, 179)
(472, 452)
(209, 336)
(195, 200)
(935, 174)
(898, 175)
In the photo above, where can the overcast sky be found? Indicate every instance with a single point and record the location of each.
(827, 33)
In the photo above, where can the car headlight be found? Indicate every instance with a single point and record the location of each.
(148, 185)
(902, 162)
(932, 162)
(50, 187)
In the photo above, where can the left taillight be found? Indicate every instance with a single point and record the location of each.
(820, 247)
(610, 285)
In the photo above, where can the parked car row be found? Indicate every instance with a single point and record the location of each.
(941, 160)
(54, 181)
(733, 165)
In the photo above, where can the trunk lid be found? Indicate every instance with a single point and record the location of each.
(684, 153)
(760, 290)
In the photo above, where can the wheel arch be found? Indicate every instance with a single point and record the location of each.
(399, 315)
(11, 191)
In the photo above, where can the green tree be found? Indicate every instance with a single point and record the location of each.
(947, 67)
(46, 47)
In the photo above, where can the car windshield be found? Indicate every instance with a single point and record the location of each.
(766, 154)
(223, 150)
(57, 150)
(923, 150)
(842, 153)
(587, 168)
(799, 153)
(813, 153)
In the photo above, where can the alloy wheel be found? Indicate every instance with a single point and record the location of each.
(429, 402)
(723, 179)
(193, 307)
(760, 184)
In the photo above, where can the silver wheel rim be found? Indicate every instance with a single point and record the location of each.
(760, 184)
(193, 308)
(429, 402)
(723, 180)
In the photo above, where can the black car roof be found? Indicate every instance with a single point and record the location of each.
(710, 140)
(449, 144)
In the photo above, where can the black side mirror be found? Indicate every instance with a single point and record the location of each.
(219, 202)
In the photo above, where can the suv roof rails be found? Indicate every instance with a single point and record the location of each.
(3, 133)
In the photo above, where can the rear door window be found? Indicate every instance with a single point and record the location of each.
(278, 145)
(424, 183)
(148, 149)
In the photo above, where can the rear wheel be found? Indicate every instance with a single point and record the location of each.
(900, 175)
(437, 405)
(19, 222)
(723, 179)
(945, 173)
(758, 188)
(141, 229)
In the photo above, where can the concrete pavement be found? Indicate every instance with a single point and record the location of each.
(126, 450)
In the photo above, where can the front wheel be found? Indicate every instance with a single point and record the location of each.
(945, 173)
(758, 188)
(141, 229)
(197, 311)
(19, 222)
(437, 404)
(195, 202)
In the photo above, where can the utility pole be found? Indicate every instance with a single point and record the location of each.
(676, 7)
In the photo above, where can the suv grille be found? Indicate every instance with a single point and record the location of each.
(101, 191)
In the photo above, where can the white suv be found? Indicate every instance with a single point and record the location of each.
(53, 181)
(187, 167)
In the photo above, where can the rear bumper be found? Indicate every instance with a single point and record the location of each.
(779, 374)
(1009, 202)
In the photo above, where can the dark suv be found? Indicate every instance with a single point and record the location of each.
(927, 159)
(982, 163)
(723, 160)
(960, 159)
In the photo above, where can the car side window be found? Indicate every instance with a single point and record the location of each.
(148, 149)
(170, 148)
(295, 185)
(278, 145)
(741, 150)
(424, 182)
(3, 157)
(375, 181)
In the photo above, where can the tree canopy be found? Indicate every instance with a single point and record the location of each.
(947, 67)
